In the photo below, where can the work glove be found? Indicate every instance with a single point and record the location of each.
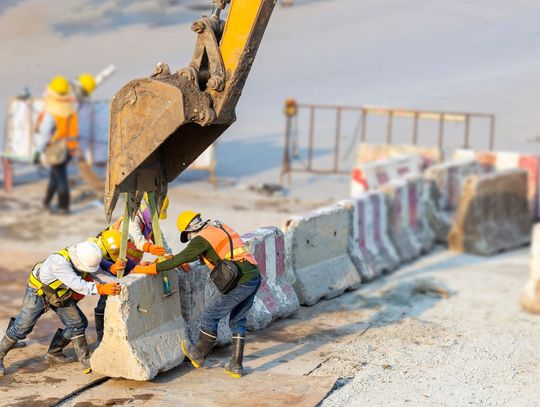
(168, 256)
(119, 265)
(108, 289)
(37, 158)
(154, 249)
(150, 269)
(185, 267)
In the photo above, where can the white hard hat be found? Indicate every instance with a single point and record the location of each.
(85, 256)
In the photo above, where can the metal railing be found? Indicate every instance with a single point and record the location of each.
(292, 136)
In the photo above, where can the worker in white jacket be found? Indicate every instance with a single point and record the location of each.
(50, 286)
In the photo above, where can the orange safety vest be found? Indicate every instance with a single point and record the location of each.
(67, 128)
(220, 242)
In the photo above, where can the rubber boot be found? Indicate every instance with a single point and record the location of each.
(58, 343)
(19, 344)
(234, 366)
(198, 354)
(6, 345)
(82, 351)
(100, 324)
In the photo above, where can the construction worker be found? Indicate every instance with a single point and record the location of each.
(210, 241)
(58, 139)
(51, 285)
(141, 233)
(84, 85)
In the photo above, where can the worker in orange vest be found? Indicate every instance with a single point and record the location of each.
(220, 248)
(58, 139)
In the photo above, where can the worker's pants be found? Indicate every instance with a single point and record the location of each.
(34, 306)
(58, 182)
(237, 303)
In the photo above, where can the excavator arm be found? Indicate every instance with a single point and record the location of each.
(161, 124)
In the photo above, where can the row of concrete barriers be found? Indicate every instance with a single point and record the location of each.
(320, 255)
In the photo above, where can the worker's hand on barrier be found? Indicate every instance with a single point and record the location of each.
(185, 267)
(154, 249)
(108, 289)
(150, 269)
(119, 265)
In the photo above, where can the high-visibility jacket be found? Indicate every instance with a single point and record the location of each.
(220, 242)
(56, 285)
(64, 128)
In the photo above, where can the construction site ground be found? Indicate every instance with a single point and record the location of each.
(445, 330)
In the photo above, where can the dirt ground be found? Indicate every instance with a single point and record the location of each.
(445, 330)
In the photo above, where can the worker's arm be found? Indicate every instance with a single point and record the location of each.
(45, 132)
(135, 233)
(193, 250)
(63, 271)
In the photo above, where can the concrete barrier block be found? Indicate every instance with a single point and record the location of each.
(418, 212)
(503, 160)
(143, 330)
(400, 208)
(197, 292)
(371, 175)
(368, 152)
(317, 254)
(276, 297)
(493, 214)
(444, 183)
(530, 298)
(370, 247)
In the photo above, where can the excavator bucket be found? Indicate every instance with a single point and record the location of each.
(160, 125)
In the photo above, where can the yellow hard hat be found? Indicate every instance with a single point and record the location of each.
(110, 240)
(87, 81)
(183, 221)
(163, 211)
(60, 85)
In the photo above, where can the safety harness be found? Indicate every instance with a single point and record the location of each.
(55, 292)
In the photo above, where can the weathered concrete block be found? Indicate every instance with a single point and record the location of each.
(446, 183)
(368, 152)
(276, 297)
(197, 292)
(493, 214)
(530, 299)
(317, 254)
(370, 247)
(400, 206)
(143, 330)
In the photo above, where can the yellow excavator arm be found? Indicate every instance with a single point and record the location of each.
(160, 125)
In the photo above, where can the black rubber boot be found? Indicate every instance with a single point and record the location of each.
(58, 343)
(198, 354)
(234, 366)
(19, 344)
(100, 324)
(6, 345)
(82, 351)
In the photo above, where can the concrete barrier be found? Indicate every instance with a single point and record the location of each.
(143, 330)
(530, 299)
(369, 176)
(444, 183)
(317, 254)
(368, 152)
(493, 214)
(498, 160)
(402, 215)
(197, 292)
(370, 247)
(276, 297)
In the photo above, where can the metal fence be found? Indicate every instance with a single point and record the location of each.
(296, 135)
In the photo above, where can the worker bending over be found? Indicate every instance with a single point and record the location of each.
(211, 242)
(52, 284)
(141, 232)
